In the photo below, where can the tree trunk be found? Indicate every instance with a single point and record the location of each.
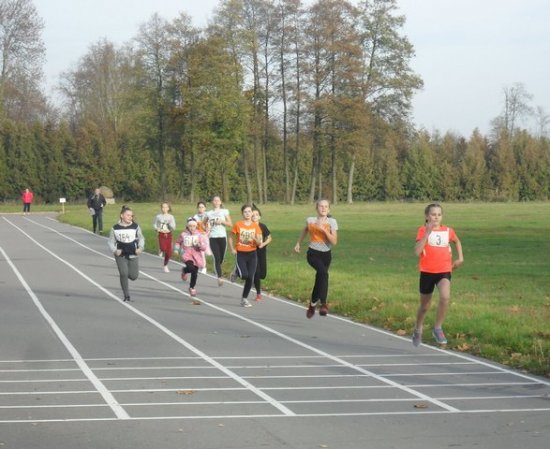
(350, 180)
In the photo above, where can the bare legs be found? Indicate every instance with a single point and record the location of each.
(444, 287)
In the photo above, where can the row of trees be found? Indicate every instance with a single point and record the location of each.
(272, 101)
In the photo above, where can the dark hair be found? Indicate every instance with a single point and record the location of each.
(169, 206)
(126, 208)
(257, 209)
(201, 202)
(430, 206)
(245, 205)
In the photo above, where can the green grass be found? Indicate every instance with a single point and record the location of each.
(500, 307)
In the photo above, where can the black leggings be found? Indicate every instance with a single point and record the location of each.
(190, 267)
(320, 262)
(246, 268)
(261, 270)
(218, 245)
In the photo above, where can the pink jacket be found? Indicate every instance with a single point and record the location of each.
(191, 247)
(27, 197)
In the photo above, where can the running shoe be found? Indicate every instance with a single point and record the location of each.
(220, 282)
(127, 299)
(165, 268)
(439, 336)
(193, 291)
(184, 276)
(310, 310)
(416, 338)
(245, 303)
(203, 270)
(258, 297)
(233, 276)
(323, 310)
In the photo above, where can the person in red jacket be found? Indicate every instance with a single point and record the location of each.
(27, 198)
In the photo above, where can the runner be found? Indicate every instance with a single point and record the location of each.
(246, 236)
(164, 224)
(191, 244)
(322, 231)
(218, 219)
(203, 226)
(126, 242)
(436, 264)
(261, 252)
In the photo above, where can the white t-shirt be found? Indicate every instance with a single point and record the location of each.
(216, 229)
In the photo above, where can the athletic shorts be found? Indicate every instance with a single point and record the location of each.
(428, 281)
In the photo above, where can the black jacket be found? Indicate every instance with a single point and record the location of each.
(97, 202)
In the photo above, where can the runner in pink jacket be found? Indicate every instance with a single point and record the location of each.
(191, 244)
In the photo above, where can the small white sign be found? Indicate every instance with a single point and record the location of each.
(62, 200)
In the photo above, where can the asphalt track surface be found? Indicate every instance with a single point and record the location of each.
(81, 369)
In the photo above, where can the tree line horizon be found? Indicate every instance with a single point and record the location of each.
(271, 101)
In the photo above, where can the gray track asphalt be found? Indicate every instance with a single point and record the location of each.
(81, 369)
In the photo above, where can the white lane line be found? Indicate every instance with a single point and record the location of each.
(268, 416)
(39, 393)
(262, 357)
(283, 409)
(107, 396)
(245, 367)
(474, 384)
(27, 381)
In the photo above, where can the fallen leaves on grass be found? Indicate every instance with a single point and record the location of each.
(464, 347)
(401, 332)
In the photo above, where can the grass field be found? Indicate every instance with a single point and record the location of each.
(500, 296)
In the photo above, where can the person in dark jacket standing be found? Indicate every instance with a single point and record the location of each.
(126, 242)
(96, 203)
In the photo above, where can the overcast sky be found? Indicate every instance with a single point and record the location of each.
(467, 51)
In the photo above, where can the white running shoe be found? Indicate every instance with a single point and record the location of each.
(245, 303)
(166, 269)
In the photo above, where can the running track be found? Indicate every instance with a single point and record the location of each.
(80, 368)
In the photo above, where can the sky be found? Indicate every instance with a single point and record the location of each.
(467, 51)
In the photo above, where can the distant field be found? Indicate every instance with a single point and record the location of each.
(500, 297)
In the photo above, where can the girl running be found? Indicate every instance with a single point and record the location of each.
(126, 242)
(191, 244)
(246, 236)
(164, 224)
(261, 252)
(322, 231)
(436, 264)
(218, 219)
(203, 226)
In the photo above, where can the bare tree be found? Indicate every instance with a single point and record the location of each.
(22, 57)
(516, 108)
(543, 121)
